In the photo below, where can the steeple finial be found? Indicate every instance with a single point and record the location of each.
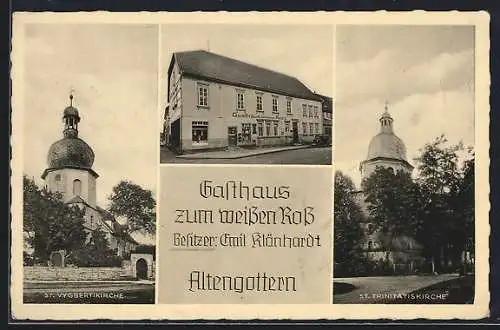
(71, 92)
(386, 119)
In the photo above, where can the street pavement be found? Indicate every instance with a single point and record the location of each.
(369, 290)
(305, 156)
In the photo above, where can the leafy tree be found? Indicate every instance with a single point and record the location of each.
(96, 252)
(348, 233)
(447, 200)
(48, 223)
(393, 201)
(136, 205)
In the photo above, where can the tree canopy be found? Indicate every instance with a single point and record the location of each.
(96, 252)
(393, 201)
(136, 204)
(348, 234)
(437, 208)
(49, 223)
(447, 186)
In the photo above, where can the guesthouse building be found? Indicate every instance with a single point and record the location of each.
(216, 102)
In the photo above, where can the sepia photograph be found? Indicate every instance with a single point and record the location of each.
(89, 209)
(162, 163)
(404, 180)
(246, 94)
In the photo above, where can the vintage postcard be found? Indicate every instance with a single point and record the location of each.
(228, 104)
(276, 165)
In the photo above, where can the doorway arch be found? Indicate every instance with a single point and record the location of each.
(141, 269)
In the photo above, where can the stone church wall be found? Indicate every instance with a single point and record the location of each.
(41, 273)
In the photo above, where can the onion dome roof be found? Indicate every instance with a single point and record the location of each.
(70, 152)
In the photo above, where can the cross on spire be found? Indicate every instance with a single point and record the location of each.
(386, 106)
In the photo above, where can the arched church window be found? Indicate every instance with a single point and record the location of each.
(77, 187)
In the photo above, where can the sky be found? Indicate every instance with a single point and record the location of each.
(305, 52)
(425, 73)
(113, 71)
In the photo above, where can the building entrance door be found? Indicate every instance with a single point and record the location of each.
(295, 132)
(141, 268)
(232, 136)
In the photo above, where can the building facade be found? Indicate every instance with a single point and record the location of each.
(216, 102)
(327, 113)
(387, 150)
(70, 173)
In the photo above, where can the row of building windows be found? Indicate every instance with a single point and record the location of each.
(311, 129)
(240, 102)
(310, 111)
(262, 129)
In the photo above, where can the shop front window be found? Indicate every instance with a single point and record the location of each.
(311, 129)
(276, 129)
(260, 128)
(200, 132)
(316, 128)
(268, 129)
(254, 128)
(287, 126)
(304, 128)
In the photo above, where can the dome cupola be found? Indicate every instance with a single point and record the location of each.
(386, 144)
(70, 151)
(386, 149)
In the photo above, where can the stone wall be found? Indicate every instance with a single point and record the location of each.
(40, 273)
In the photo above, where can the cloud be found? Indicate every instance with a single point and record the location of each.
(389, 75)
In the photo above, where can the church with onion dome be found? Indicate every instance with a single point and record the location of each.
(387, 150)
(69, 171)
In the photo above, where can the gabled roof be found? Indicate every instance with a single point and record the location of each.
(218, 68)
